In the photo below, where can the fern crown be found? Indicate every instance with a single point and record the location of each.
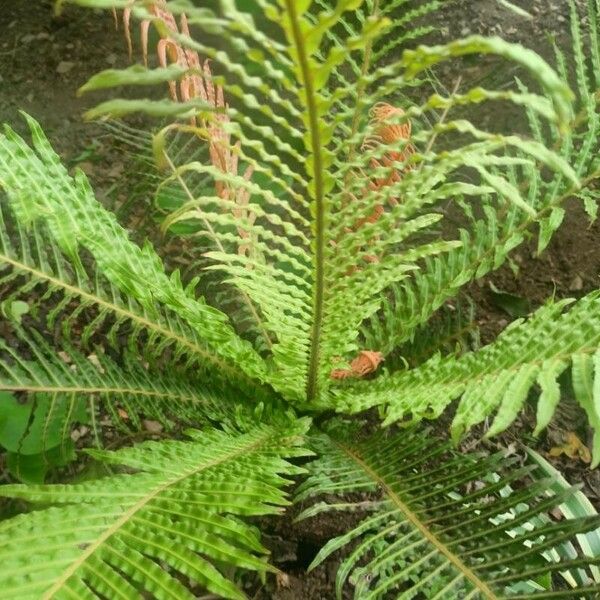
(325, 196)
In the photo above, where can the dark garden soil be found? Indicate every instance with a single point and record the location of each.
(44, 59)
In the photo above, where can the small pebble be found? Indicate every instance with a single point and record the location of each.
(152, 426)
(576, 285)
(64, 67)
(77, 434)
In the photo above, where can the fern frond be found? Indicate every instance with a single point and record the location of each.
(489, 241)
(332, 228)
(37, 271)
(69, 383)
(441, 525)
(85, 309)
(39, 188)
(499, 377)
(179, 517)
(452, 331)
(146, 176)
(402, 29)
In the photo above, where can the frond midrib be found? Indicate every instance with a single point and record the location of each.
(131, 512)
(59, 389)
(319, 283)
(466, 571)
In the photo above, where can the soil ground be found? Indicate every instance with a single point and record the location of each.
(44, 59)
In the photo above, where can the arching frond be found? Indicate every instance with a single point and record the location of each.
(39, 188)
(36, 271)
(171, 528)
(489, 239)
(70, 382)
(441, 525)
(498, 378)
(59, 383)
(453, 330)
(338, 207)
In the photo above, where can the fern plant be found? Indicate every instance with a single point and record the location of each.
(307, 163)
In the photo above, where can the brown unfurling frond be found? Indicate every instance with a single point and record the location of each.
(198, 83)
(364, 364)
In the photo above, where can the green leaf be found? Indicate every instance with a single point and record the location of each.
(14, 420)
(35, 424)
(14, 310)
(134, 75)
(550, 392)
(439, 523)
(513, 305)
(33, 468)
(178, 518)
(586, 385)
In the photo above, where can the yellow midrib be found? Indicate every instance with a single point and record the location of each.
(49, 389)
(320, 216)
(72, 568)
(480, 585)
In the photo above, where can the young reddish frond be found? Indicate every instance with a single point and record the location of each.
(364, 364)
(198, 83)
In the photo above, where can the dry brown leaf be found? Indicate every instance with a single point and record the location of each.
(123, 414)
(573, 448)
(198, 83)
(152, 426)
(282, 580)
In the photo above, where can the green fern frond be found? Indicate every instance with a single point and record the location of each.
(39, 188)
(167, 200)
(403, 30)
(488, 242)
(178, 518)
(441, 525)
(135, 146)
(36, 271)
(452, 331)
(499, 377)
(290, 83)
(410, 304)
(72, 382)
